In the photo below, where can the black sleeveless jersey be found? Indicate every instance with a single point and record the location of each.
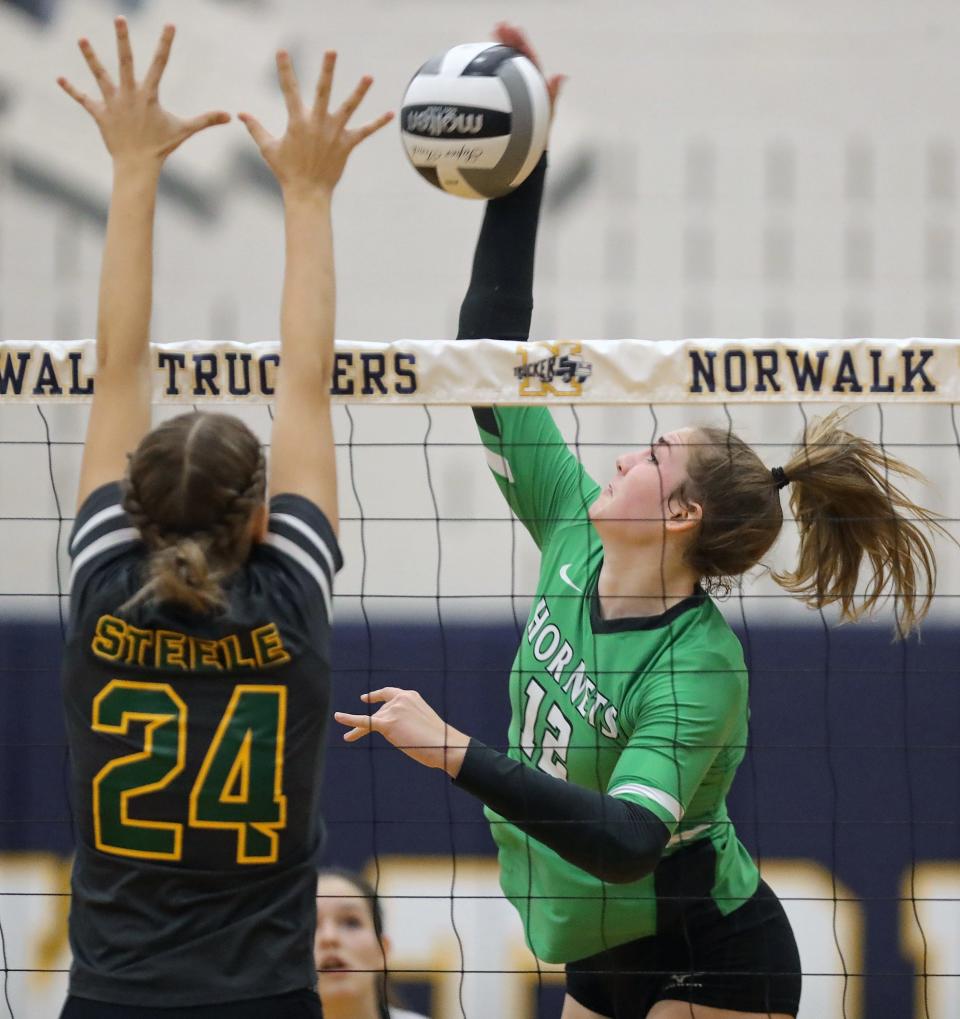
(196, 749)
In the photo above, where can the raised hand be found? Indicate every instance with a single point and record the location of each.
(134, 125)
(314, 150)
(411, 725)
(511, 35)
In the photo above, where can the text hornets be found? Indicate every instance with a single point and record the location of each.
(550, 647)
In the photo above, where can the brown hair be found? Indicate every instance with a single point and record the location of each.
(191, 487)
(847, 511)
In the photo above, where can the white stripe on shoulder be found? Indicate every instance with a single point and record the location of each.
(498, 464)
(95, 521)
(124, 536)
(688, 835)
(296, 553)
(308, 532)
(665, 800)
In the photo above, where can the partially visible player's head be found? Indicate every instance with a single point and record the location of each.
(195, 490)
(704, 498)
(350, 948)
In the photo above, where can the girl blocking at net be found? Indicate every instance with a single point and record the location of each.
(628, 693)
(196, 667)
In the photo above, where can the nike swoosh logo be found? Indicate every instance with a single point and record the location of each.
(566, 579)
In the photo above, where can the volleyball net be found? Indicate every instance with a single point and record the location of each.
(847, 796)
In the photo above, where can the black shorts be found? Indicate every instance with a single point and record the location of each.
(295, 1005)
(746, 961)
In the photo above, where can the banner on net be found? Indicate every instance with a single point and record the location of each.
(482, 372)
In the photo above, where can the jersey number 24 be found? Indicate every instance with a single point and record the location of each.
(239, 785)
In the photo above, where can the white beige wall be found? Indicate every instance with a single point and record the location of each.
(734, 169)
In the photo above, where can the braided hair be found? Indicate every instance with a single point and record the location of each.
(191, 488)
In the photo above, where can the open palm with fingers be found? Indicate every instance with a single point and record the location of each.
(135, 127)
(407, 721)
(314, 150)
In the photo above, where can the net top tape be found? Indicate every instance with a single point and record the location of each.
(481, 372)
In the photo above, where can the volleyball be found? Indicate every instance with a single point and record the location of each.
(474, 119)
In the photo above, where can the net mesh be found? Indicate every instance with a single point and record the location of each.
(845, 798)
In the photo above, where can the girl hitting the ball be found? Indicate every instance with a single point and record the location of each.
(196, 667)
(629, 690)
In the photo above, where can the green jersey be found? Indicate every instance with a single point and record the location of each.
(653, 710)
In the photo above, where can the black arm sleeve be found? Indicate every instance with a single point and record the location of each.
(610, 838)
(499, 301)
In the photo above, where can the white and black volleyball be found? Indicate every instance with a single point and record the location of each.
(475, 119)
